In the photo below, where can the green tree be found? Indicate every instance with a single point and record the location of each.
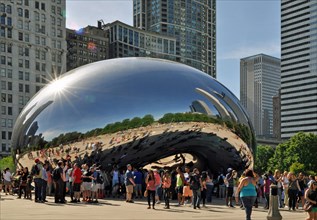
(7, 162)
(301, 149)
(263, 155)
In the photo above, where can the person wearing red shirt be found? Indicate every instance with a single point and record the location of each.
(76, 182)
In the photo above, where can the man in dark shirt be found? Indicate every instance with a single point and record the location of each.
(59, 183)
(129, 183)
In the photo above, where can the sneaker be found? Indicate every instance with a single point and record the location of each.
(158, 202)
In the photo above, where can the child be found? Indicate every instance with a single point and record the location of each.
(28, 188)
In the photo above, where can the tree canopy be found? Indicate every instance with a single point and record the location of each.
(300, 151)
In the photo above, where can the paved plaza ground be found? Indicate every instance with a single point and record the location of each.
(13, 208)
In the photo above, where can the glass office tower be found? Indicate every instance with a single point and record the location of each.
(191, 22)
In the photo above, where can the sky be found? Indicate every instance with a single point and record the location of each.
(244, 28)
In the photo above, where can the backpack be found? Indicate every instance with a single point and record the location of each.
(221, 180)
(99, 179)
(56, 174)
(195, 182)
(35, 170)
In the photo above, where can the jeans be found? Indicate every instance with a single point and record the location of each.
(279, 194)
(59, 188)
(43, 190)
(209, 192)
(166, 192)
(197, 197)
(248, 202)
(38, 189)
(292, 195)
(151, 193)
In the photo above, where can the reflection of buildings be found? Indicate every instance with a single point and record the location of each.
(27, 126)
(299, 67)
(201, 107)
(259, 82)
(32, 50)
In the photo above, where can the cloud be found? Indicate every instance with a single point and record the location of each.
(273, 49)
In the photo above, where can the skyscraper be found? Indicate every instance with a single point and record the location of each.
(32, 51)
(259, 82)
(191, 22)
(298, 67)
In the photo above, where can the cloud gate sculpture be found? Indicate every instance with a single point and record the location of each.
(141, 110)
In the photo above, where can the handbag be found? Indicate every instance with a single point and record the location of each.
(145, 193)
(308, 207)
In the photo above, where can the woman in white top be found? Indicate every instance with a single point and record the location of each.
(7, 177)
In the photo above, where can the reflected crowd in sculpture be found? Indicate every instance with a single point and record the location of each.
(142, 110)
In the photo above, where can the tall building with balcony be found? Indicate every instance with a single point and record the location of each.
(298, 67)
(191, 22)
(259, 82)
(32, 51)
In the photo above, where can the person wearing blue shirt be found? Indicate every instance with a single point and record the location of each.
(138, 183)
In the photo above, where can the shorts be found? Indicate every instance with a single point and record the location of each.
(229, 191)
(179, 190)
(76, 187)
(129, 188)
(314, 210)
(94, 187)
(86, 185)
(99, 186)
(187, 192)
(138, 188)
(7, 183)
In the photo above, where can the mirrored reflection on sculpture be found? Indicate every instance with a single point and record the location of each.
(140, 111)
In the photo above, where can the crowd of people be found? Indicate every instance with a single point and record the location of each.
(88, 182)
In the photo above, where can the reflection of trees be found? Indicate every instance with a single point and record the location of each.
(240, 130)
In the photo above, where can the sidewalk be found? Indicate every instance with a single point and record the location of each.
(13, 208)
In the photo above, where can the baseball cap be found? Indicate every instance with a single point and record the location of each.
(36, 160)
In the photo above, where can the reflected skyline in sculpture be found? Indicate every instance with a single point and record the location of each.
(107, 97)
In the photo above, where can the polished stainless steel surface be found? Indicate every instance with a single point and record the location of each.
(158, 109)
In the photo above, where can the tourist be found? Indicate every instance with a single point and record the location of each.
(204, 187)
(150, 187)
(44, 182)
(166, 184)
(138, 183)
(59, 183)
(293, 189)
(187, 192)
(129, 183)
(278, 181)
(36, 172)
(23, 182)
(158, 185)
(210, 187)
(229, 185)
(180, 180)
(285, 183)
(87, 179)
(196, 185)
(76, 177)
(266, 189)
(311, 196)
(303, 185)
(247, 190)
